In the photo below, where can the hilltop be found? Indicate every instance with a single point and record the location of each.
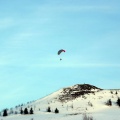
(74, 100)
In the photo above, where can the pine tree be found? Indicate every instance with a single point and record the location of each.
(31, 111)
(110, 102)
(111, 92)
(48, 110)
(118, 102)
(21, 111)
(26, 111)
(56, 110)
(5, 113)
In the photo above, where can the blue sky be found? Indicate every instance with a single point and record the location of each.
(33, 31)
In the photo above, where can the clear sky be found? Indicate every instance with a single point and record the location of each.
(32, 32)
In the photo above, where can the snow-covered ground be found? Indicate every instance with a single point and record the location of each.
(92, 104)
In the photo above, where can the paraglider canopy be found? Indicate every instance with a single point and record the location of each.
(60, 51)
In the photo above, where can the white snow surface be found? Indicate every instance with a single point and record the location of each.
(93, 105)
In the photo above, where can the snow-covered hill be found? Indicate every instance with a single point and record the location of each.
(72, 102)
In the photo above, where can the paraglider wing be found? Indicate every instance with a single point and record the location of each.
(60, 51)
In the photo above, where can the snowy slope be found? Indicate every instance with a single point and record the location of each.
(77, 100)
